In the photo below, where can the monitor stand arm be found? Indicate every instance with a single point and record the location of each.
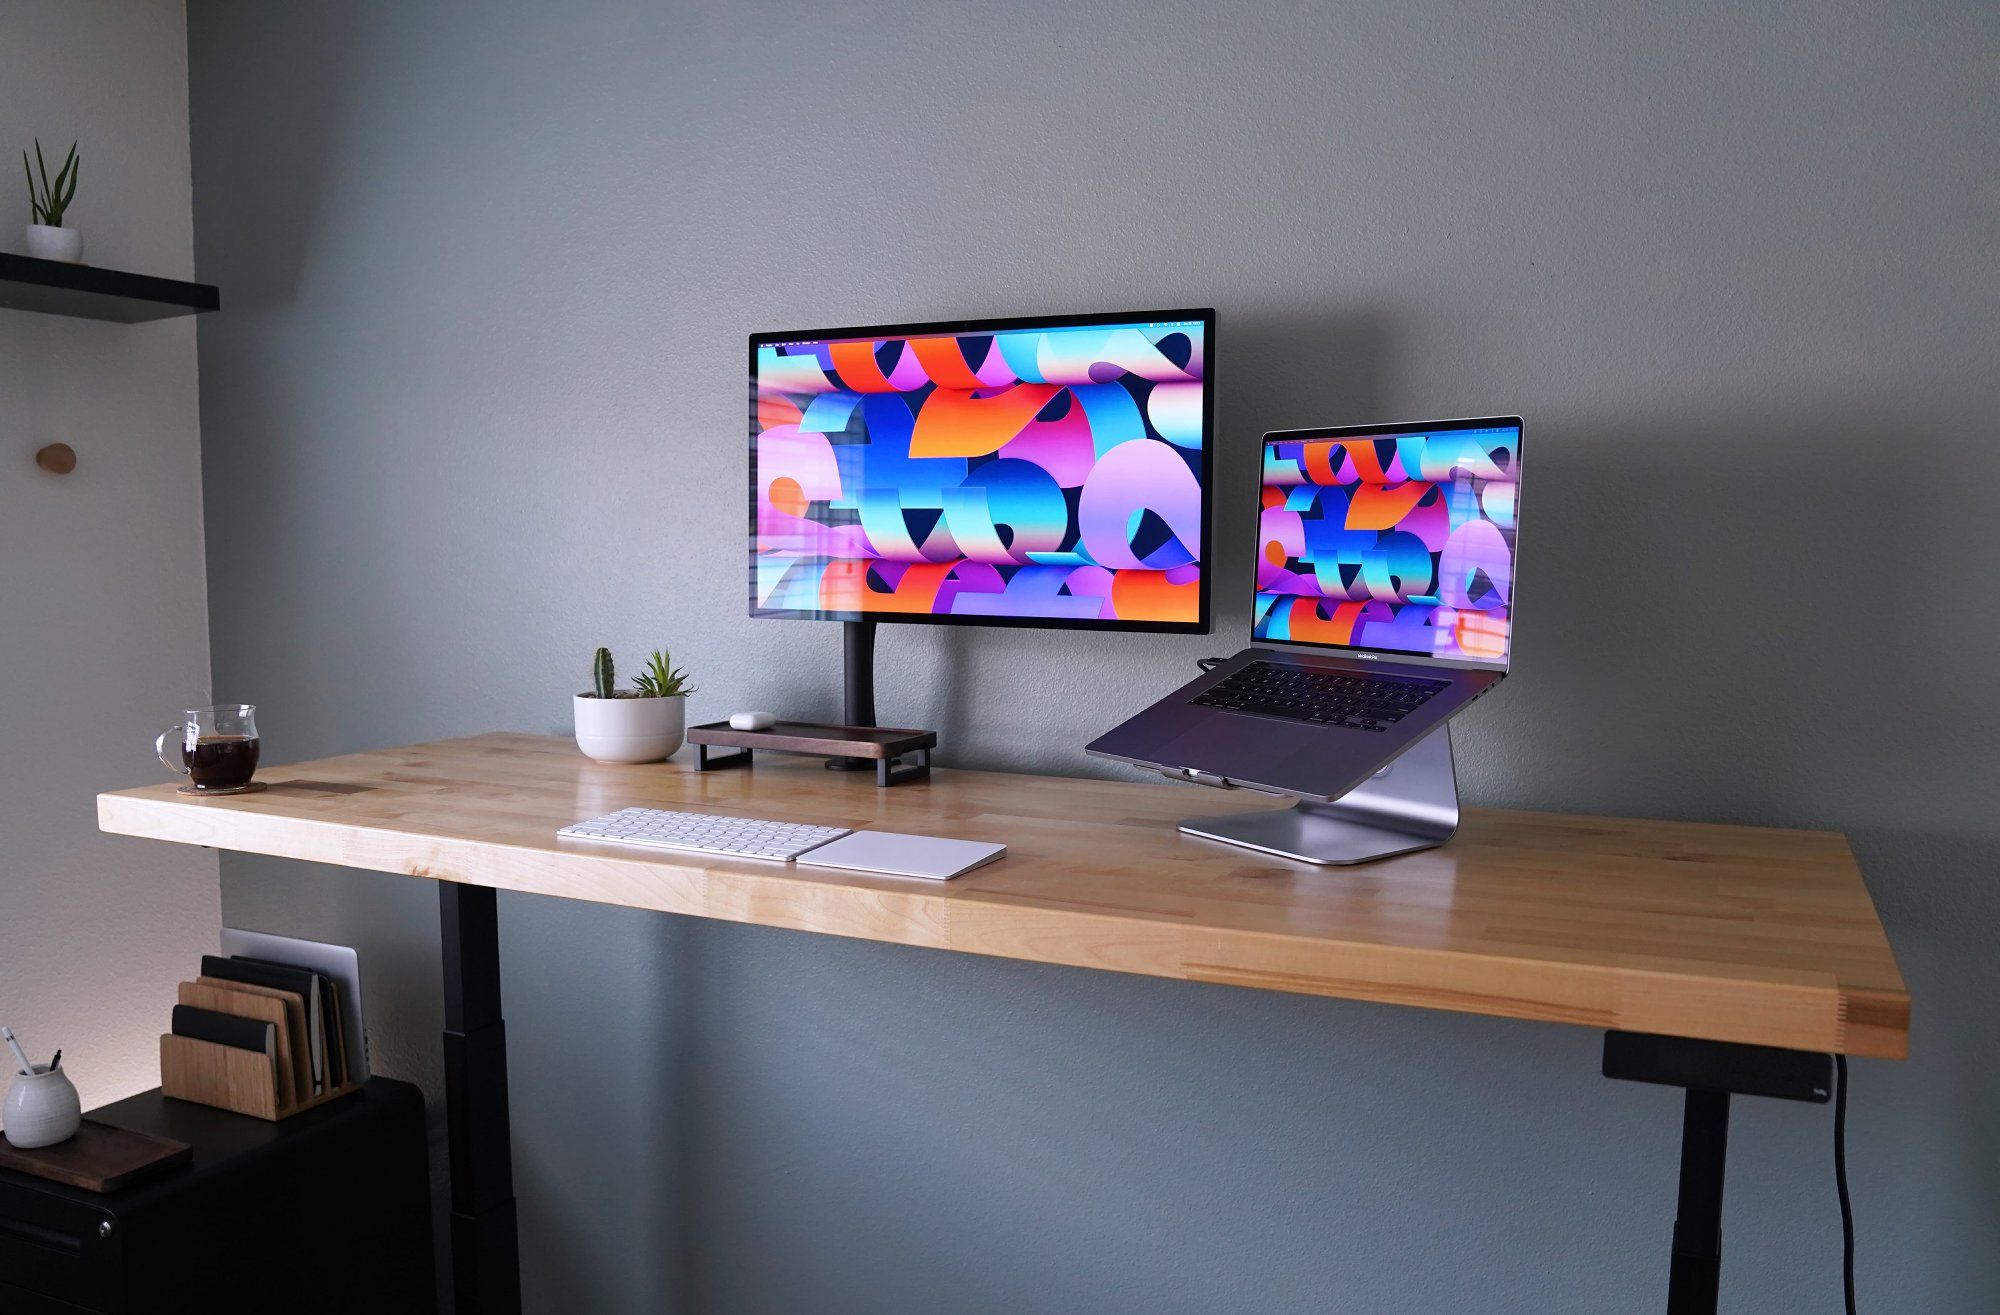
(1409, 805)
(857, 654)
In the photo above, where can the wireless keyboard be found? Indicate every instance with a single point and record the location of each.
(704, 833)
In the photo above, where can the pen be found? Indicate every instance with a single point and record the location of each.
(20, 1056)
(56, 1063)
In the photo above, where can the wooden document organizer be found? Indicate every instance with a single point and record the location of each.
(241, 1081)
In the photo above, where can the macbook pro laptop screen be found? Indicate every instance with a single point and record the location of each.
(1394, 540)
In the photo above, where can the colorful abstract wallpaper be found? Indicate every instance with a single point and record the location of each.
(1052, 475)
(1402, 542)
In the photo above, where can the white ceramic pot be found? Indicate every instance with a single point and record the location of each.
(50, 243)
(630, 730)
(41, 1110)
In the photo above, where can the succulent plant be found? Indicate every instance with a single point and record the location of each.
(661, 679)
(603, 677)
(48, 205)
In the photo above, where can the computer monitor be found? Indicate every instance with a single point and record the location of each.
(1391, 539)
(1050, 472)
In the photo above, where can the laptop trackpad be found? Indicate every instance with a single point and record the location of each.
(1247, 748)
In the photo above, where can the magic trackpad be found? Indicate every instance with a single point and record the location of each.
(898, 855)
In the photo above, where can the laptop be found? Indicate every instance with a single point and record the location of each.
(1385, 587)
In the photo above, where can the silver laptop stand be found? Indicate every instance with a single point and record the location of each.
(1409, 805)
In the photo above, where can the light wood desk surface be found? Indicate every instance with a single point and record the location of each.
(1723, 933)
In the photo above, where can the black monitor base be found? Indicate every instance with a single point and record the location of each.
(857, 665)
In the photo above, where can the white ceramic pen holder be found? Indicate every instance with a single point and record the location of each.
(41, 1108)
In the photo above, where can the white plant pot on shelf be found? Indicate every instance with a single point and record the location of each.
(48, 242)
(630, 730)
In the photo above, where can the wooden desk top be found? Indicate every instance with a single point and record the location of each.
(1720, 932)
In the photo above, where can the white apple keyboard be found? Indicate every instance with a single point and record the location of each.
(887, 852)
(704, 833)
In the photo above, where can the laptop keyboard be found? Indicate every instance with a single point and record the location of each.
(1325, 698)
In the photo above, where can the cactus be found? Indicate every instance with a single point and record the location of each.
(603, 678)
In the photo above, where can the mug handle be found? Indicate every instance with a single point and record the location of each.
(160, 749)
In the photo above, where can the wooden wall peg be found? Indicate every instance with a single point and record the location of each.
(57, 458)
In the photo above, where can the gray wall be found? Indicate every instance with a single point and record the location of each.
(103, 620)
(476, 407)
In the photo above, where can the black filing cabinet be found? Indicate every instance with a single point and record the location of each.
(328, 1210)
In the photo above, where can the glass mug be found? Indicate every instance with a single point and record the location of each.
(214, 747)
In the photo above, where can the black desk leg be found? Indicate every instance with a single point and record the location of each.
(1710, 1072)
(485, 1251)
(1695, 1281)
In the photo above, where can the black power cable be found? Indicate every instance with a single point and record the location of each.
(1840, 1179)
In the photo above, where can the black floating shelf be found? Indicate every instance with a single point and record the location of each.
(54, 287)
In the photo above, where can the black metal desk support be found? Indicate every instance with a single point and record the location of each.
(1695, 1280)
(485, 1248)
(1710, 1072)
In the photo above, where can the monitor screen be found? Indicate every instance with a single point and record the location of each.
(1046, 472)
(1398, 539)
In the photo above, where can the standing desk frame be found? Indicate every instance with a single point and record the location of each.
(1722, 960)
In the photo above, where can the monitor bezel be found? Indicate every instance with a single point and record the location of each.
(1204, 619)
(1378, 431)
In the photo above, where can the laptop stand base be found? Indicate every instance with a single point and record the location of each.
(1409, 805)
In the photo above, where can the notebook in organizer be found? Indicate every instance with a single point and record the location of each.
(297, 981)
(289, 1017)
(325, 989)
(225, 1030)
(340, 964)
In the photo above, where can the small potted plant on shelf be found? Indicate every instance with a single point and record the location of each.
(47, 238)
(643, 724)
